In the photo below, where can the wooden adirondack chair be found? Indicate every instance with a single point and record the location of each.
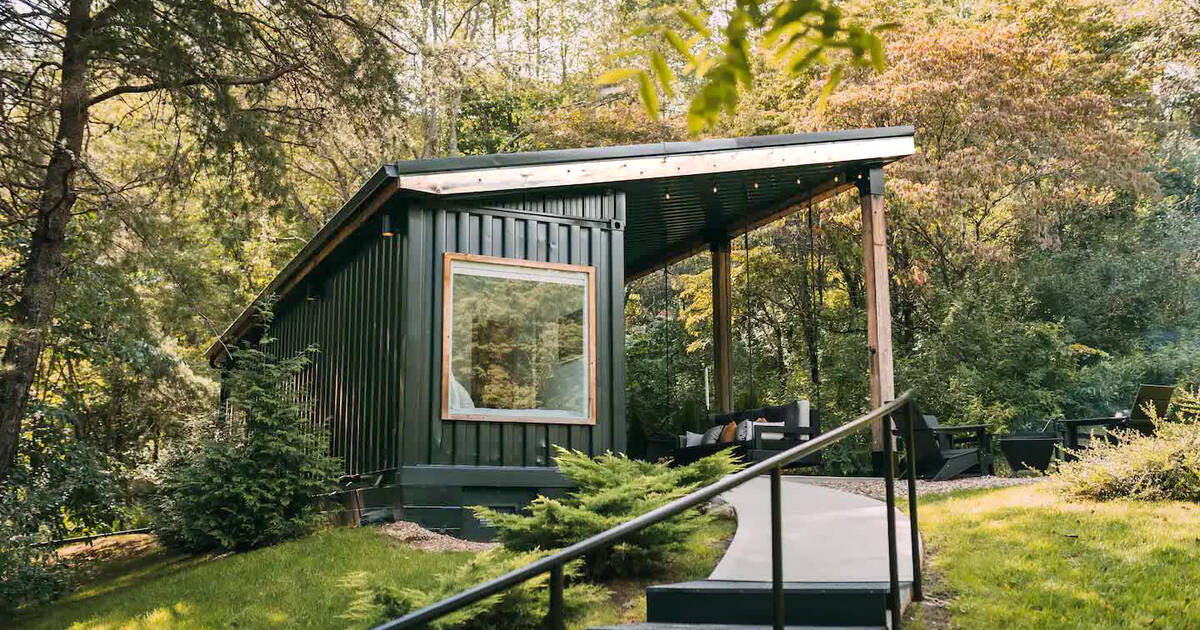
(946, 452)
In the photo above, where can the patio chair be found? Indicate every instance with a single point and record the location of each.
(783, 427)
(943, 453)
(1080, 432)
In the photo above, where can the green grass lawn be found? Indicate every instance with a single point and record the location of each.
(1022, 558)
(292, 585)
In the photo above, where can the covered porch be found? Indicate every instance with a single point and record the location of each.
(709, 201)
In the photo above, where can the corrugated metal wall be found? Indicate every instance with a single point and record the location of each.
(575, 229)
(375, 383)
(354, 382)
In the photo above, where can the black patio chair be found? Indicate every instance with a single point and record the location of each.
(946, 452)
(1079, 433)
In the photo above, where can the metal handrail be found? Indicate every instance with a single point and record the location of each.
(554, 562)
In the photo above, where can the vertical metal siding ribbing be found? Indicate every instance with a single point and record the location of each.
(354, 374)
(375, 384)
(333, 299)
(598, 437)
(512, 435)
(398, 380)
(337, 337)
(579, 435)
(466, 434)
(400, 385)
(371, 358)
(371, 431)
(616, 323)
(536, 435)
(353, 386)
(354, 414)
(442, 447)
(362, 410)
(559, 434)
(416, 332)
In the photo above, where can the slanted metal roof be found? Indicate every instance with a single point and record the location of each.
(679, 196)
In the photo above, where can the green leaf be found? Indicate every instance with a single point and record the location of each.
(662, 71)
(648, 94)
(875, 47)
(680, 45)
(835, 77)
(800, 63)
(695, 22)
(616, 76)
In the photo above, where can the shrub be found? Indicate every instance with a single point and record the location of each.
(519, 608)
(610, 490)
(1163, 466)
(29, 575)
(254, 477)
(57, 487)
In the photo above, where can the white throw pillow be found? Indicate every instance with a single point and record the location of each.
(712, 434)
(692, 439)
(745, 431)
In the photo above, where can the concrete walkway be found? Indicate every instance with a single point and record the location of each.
(828, 535)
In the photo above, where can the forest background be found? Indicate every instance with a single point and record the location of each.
(1045, 238)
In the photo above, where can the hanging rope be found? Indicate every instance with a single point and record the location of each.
(749, 322)
(670, 376)
(816, 299)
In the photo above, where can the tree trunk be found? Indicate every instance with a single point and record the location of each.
(43, 263)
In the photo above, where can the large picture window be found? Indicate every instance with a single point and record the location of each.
(518, 341)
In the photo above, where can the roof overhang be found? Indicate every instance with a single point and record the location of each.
(679, 195)
(632, 169)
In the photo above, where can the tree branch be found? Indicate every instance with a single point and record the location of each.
(154, 87)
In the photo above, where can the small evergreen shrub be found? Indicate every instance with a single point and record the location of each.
(610, 490)
(519, 608)
(254, 477)
(1160, 467)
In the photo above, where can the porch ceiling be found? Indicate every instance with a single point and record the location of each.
(671, 219)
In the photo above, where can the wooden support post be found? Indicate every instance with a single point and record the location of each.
(722, 324)
(879, 306)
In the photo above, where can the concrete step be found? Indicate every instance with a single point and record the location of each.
(729, 627)
(824, 604)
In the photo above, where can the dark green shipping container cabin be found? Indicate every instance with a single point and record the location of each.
(469, 311)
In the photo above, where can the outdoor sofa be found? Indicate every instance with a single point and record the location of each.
(755, 434)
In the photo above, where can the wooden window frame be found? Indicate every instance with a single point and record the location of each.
(447, 313)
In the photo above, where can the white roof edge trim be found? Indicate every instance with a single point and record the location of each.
(632, 169)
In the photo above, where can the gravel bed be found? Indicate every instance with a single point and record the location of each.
(420, 538)
(873, 486)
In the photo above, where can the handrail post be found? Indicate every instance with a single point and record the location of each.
(910, 453)
(555, 620)
(776, 549)
(889, 483)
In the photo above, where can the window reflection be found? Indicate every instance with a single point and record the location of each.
(518, 341)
